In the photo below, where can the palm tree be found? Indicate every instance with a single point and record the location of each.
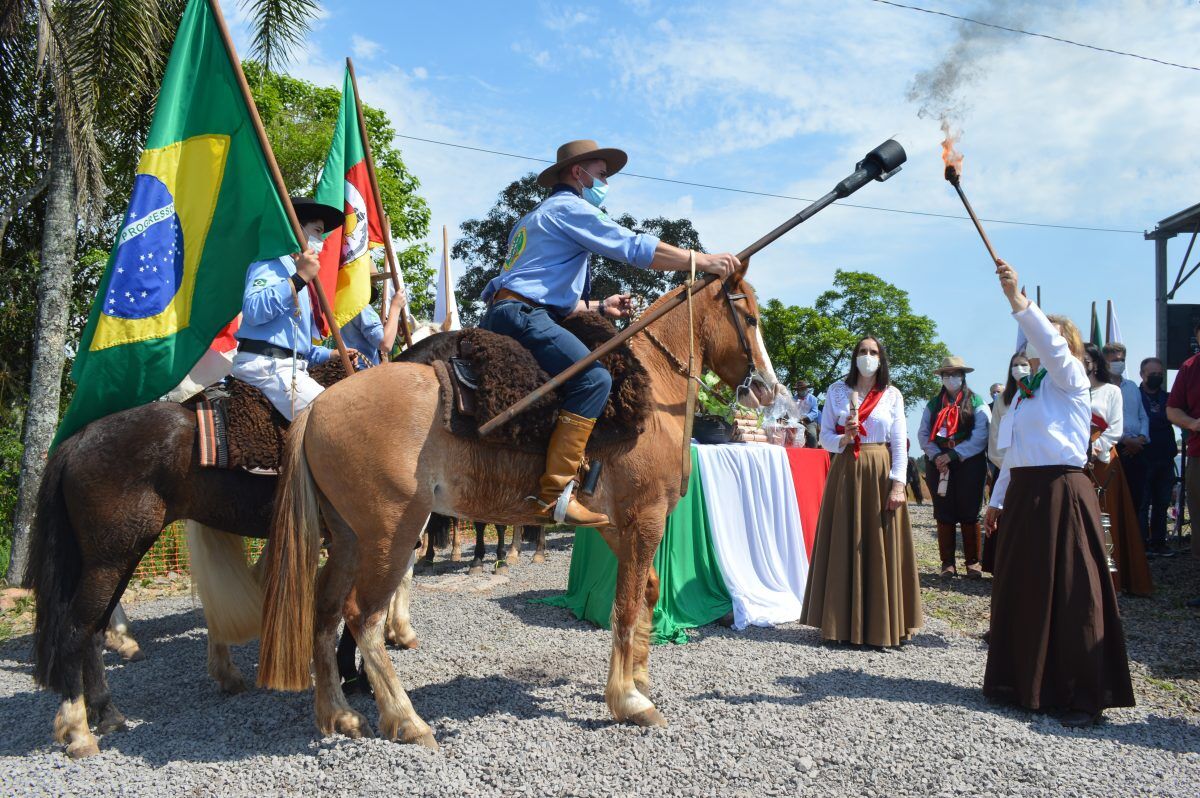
(100, 62)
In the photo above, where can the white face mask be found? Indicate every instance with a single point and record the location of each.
(867, 364)
(952, 382)
(316, 243)
(1020, 371)
(1117, 367)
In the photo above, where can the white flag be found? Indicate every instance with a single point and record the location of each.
(1112, 332)
(445, 307)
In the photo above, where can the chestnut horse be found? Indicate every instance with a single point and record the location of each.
(375, 510)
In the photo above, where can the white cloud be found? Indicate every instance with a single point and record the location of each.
(420, 73)
(563, 19)
(364, 48)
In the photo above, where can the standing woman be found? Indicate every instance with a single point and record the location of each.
(1133, 572)
(862, 585)
(1056, 639)
(1018, 369)
(954, 436)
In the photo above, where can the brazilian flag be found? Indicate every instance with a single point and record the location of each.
(203, 208)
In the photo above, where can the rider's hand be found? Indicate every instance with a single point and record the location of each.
(399, 298)
(308, 264)
(617, 306)
(722, 265)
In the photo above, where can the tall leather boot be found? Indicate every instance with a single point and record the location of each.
(971, 543)
(946, 533)
(563, 457)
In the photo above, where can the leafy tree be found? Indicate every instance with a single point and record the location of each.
(484, 245)
(815, 343)
(299, 118)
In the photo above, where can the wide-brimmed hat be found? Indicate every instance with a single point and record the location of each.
(308, 209)
(574, 152)
(953, 363)
(802, 384)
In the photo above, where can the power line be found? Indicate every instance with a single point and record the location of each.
(784, 196)
(1058, 39)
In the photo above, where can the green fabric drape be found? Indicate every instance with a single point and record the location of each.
(692, 591)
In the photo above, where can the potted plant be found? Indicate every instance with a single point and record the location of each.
(714, 411)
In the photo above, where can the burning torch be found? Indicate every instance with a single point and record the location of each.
(953, 160)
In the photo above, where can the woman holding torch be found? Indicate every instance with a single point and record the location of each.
(862, 584)
(1056, 639)
(954, 437)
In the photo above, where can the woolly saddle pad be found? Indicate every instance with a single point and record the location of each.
(254, 428)
(505, 372)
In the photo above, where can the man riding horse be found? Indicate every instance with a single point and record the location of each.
(547, 277)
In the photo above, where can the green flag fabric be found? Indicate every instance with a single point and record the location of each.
(203, 207)
(691, 588)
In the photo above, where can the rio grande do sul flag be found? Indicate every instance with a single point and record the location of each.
(346, 183)
(203, 207)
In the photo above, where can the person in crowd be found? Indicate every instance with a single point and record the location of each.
(1018, 369)
(954, 434)
(1159, 459)
(862, 583)
(810, 413)
(368, 334)
(993, 392)
(1108, 474)
(1056, 640)
(1183, 410)
(1134, 437)
(275, 338)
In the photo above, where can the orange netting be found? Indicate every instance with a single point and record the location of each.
(170, 553)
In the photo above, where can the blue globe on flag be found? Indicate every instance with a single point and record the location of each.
(148, 266)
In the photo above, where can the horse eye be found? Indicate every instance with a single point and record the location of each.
(752, 320)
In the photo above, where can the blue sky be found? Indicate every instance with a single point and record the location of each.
(784, 97)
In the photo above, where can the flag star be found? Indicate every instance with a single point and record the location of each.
(112, 301)
(133, 214)
(154, 268)
(143, 295)
(120, 270)
(141, 257)
(127, 295)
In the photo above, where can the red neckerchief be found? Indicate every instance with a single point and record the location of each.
(864, 412)
(947, 417)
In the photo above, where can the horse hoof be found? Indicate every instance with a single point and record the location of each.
(501, 567)
(476, 568)
(85, 747)
(352, 724)
(648, 718)
(538, 559)
(113, 721)
(414, 736)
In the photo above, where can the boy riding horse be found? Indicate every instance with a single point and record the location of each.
(547, 277)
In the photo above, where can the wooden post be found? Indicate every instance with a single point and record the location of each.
(277, 179)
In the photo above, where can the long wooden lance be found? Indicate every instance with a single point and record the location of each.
(879, 164)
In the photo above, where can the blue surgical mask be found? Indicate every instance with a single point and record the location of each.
(597, 192)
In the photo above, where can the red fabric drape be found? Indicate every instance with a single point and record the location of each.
(810, 467)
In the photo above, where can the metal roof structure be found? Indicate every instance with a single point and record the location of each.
(1185, 222)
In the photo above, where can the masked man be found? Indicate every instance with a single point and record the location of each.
(547, 277)
(275, 339)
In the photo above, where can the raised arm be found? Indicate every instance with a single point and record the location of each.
(1064, 369)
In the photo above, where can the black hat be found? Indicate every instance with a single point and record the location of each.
(308, 209)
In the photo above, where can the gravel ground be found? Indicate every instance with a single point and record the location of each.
(514, 693)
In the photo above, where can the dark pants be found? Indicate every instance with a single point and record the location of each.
(1134, 466)
(1156, 498)
(812, 433)
(554, 349)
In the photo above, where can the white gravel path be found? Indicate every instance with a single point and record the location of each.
(514, 693)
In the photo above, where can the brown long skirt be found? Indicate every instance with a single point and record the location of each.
(1056, 641)
(1133, 572)
(862, 582)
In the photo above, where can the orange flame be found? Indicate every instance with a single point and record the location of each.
(951, 157)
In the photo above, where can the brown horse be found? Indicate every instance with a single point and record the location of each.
(375, 522)
(106, 495)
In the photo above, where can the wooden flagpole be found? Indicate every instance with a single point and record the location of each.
(446, 322)
(384, 221)
(277, 179)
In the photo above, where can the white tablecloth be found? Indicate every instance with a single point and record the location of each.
(756, 532)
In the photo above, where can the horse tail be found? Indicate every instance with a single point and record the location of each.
(438, 527)
(227, 586)
(53, 572)
(289, 578)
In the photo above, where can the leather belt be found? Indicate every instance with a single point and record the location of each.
(257, 347)
(504, 294)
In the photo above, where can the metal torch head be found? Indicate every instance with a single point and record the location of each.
(887, 158)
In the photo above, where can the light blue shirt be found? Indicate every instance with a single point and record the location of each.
(807, 406)
(548, 251)
(364, 332)
(1136, 421)
(269, 310)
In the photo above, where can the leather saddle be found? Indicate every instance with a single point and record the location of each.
(488, 372)
(238, 427)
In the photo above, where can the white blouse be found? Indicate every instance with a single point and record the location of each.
(1109, 404)
(995, 453)
(1054, 426)
(886, 424)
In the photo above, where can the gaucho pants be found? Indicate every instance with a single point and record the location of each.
(554, 348)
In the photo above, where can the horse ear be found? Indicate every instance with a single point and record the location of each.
(740, 272)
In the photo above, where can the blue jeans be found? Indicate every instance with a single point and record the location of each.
(554, 349)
